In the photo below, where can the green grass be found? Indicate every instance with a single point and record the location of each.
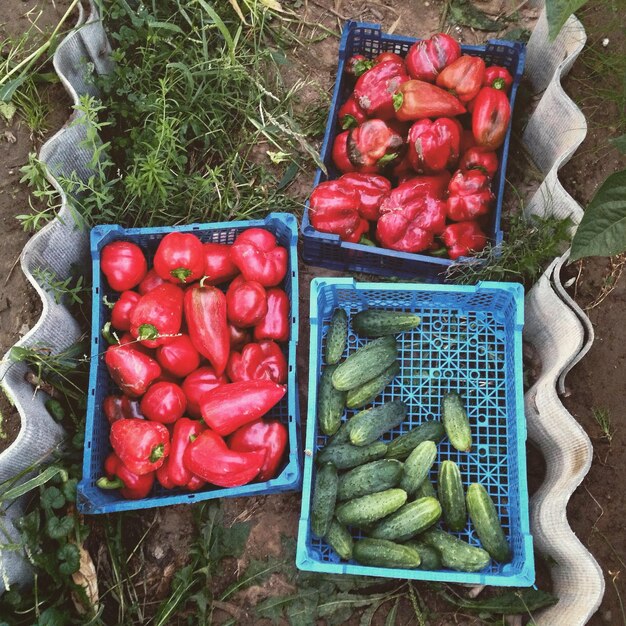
(602, 417)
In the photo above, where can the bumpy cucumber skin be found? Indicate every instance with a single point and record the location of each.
(409, 520)
(452, 496)
(366, 363)
(431, 559)
(369, 509)
(345, 456)
(455, 421)
(417, 466)
(340, 437)
(367, 426)
(382, 553)
(484, 516)
(378, 323)
(324, 499)
(337, 336)
(403, 445)
(456, 553)
(369, 478)
(426, 490)
(340, 540)
(369, 391)
(331, 403)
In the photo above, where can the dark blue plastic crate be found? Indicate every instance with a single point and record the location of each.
(91, 499)
(469, 341)
(326, 250)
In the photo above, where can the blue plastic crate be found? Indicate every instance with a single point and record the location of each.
(326, 250)
(470, 341)
(91, 499)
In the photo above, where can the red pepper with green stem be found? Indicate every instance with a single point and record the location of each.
(132, 486)
(357, 64)
(426, 58)
(498, 78)
(417, 99)
(178, 357)
(350, 114)
(197, 384)
(434, 145)
(164, 402)
(463, 78)
(258, 256)
(246, 302)
(490, 117)
(123, 308)
(141, 445)
(482, 159)
(276, 323)
(258, 361)
(463, 238)
(180, 258)
(132, 370)
(374, 146)
(374, 89)
(158, 315)
(469, 195)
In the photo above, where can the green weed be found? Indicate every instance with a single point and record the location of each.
(603, 419)
(72, 290)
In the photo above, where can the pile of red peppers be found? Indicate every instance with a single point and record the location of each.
(197, 351)
(417, 151)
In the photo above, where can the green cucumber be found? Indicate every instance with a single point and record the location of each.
(368, 509)
(370, 390)
(341, 436)
(431, 559)
(344, 456)
(337, 336)
(369, 478)
(368, 425)
(382, 553)
(324, 498)
(403, 445)
(417, 466)
(426, 490)
(409, 520)
(340, 540)
(456, 553)
(484, 516)
(452, 496)
(366, 363)
(378, 323)
(330, 403)
(454, 418)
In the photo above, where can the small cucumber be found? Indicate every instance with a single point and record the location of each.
(431, 559)
(382, 553)
(369, 478)
(403, 445)
(456, 553)
(370, 390)
(378, 323)
(426, 490)
(454, 418)
(417, 466)
(344, 456)
(324, 498)
(340, 540)
(484, 516)
(337, 336)
(452, 496)
(330, 403)
(369, 509)
(366, 363)
(409, 520)
(368, 425)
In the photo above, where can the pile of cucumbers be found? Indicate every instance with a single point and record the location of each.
(383, 489)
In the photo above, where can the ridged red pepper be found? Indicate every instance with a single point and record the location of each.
(469, 195)
(482, 159)
(246, 302)
(498, 78)
(463, 77)
(178, 357)
(184, 433)
(463, 238)
(334, 208)
(149, 282)
(258, 361)
(132, 370)
(121, 407)
(350, 114)
(197, 384)
(122, 309)
(239, 337)
(434, 145)
(179, 258)
(426, 58)
(164, 402)
(258, 256)
(417, 99)
(275, 324)
(490, 117)
(218, 266)
(132, 486)
(414, 189)
(374, 89)
(373, 146)
(158, 315)
(371, 189)
(124, 265)
(141, 445)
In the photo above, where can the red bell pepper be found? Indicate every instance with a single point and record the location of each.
(334, 208)
(463, 238)
(270, 437)
(246, 302)
(165, 479)
(388, 56)
(209, 457)
(121, 407)
(426, 58)
(434, 146)
(403, 170)
(158, 315)
(198, 383)
(185, 431)
(463, 77)
(275, 324)
(414, 189)
(258, 361)
(178, 357)
(350, 114)
(469, 195)
(373, 146)
(416, 99)
(340, 155)
(205, 312)
(482, 159)
(490, 117)
(180, 258)
(141, 446)
(498, 78)
(124, 265)
(374, 89)
(132, 370)
(218, 266)
(239, 337)
(258, 257)
(149, 282)
(122, 309)
(164, 402)
(371, 189)
(467, 141)
(132, 486)
(357, 64)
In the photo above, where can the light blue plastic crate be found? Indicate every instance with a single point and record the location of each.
(470, 341)
(90, 498)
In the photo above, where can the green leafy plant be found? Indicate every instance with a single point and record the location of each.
(603, 419)
(72, 290)
(558, 11)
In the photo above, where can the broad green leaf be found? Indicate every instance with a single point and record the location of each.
(52, 617)
(10, 87)
(59, 527)
(69, 557)
(602, 231)
(619, 143)
(52, 498)
(557, 12)
(41, 479)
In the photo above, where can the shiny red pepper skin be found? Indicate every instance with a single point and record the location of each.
(371, 189)
(131, 485)
(463, 238)
(141, 445)
(185, 431)
(258, 257)
(463, 77)
(121, 407)
(246, 302)
(122, 309)
(178, 357)
(350, 114)
(218, 266)
(426, 58)
(132, 370)
(490, 117)
(179, 258)
(198, 383)
(258, 361)
(271, 437)
(275, 324)
(417, 99)
(469, 195)
(340, 153)
(239, 337)
(373, 146)
(482, 159)
(165, 480)
(415, 189)
(467, 141)
(164, 402)
(498, 78)
(375, 87)
(434, 146)
(149, 282)
(124, 265)
(388, 56)
(334, 208)
(158, 315)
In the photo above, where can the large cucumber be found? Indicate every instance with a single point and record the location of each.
(337, 336)
(340, 540)
(456, 553)
(341, 436)
(366, 363)
(370, 390)
(369, 509)
(452, 496)
(454, 418)
(484, 516)
(344, 455)
(369, 478)
(324, 498)
(409, 520)
(378, 323)
(417, 466)
(331, 403)
(368, 425)
(382, 553)
(426, 490)
(403, 445)
(431, 559)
